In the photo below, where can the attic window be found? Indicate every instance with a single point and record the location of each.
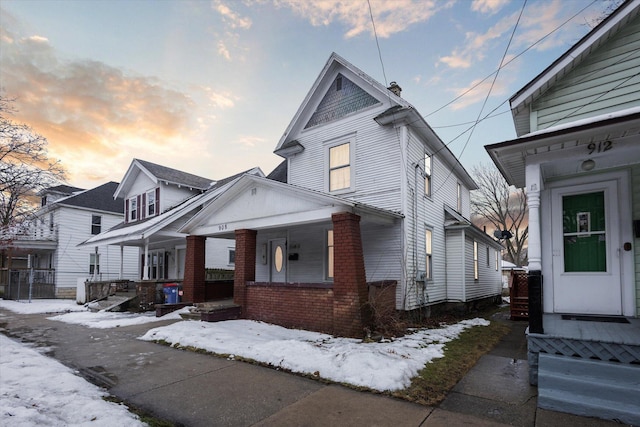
(338, 83)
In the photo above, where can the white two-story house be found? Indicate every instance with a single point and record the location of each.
(67, 217)
(368, 201)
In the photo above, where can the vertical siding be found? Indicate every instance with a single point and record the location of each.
(604, 82)
(635, 191)
(72, 262)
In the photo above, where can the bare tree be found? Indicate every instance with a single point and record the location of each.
(504, 207)
(25, 167)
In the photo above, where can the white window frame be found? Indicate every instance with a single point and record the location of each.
(428, 168)
(93, 264)
(328, 145)
(329, 254)
(497, 261)
(428, 253)
(160, 266)
(97, 224)
(133, 208)
(151, 195)
(459, 198)
(476, 273)
(229, 252)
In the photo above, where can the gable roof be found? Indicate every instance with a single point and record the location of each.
(280, 173)
(140, 230)
(568, 62)
(99, 198)
(400, 111)
(158, 173)
(66, 190)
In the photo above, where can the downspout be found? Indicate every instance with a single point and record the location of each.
(464, 266)
(121, 275)
(404, 142)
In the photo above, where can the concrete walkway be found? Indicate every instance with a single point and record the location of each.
(192, 389)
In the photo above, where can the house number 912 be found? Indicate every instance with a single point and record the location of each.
(600, 147)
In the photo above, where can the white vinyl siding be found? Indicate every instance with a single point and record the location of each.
(606, 81)
(71, 261)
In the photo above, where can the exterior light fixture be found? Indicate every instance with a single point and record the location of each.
(588, 165)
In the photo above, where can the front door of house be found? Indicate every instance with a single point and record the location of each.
(278, 260)
(586, 249)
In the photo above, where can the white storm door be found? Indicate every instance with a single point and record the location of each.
(586, 249)
(278, 260)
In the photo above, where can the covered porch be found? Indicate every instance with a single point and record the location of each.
(300, 259)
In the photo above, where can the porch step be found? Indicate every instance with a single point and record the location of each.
(591, 388)
(111, 303)
(215, 311)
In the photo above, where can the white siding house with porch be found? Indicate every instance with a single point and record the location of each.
(578, 156)
(355, 147)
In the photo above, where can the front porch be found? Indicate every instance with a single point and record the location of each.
(587, 365)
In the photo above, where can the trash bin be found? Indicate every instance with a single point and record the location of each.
(170, 293)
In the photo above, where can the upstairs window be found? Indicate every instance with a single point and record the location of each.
(427, 174)
(459, 195)
(133, 209)
(96, 224)
(340, 167)
(151, 202)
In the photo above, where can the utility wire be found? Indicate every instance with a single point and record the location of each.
(486, 99)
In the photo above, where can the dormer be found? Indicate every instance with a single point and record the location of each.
(52, 194)
(149, 189)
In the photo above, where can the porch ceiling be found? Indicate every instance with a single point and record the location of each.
(610, 141)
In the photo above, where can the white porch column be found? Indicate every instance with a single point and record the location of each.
(534, 186)
(121, 274)
(145, 265)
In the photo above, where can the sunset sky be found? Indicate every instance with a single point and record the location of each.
(208, 87)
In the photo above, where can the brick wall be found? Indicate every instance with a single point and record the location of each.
(304, 306)
(350, 314)
(245, 266)
(194, 270)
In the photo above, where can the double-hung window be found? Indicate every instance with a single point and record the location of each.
(475, 260)
(459, 196)
(96, 224)
(340, 167)
(94, 264)
(427, 174)
(330, 258)
(151, 203)
(428, 254)
(133, 209)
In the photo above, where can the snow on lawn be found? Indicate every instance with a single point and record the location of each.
(379, 366)
(39, 306)
(108, 319)
(37, 390)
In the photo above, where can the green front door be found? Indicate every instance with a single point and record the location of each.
(584, 231)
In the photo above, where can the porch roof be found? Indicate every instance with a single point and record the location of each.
(259, 203)
(562, 149)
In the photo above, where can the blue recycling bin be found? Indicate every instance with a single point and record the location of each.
(170, 293)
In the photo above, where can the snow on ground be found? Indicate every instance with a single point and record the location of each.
(388, 365)
(38, 306)
(36, 390)
(108, 319)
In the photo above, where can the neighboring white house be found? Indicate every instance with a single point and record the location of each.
(578, 156)
(68, 216)
(157, 200)
(368, 193)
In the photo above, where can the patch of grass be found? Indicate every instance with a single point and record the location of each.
(437, 378)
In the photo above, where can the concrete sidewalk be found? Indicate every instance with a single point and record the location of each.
(192, 389)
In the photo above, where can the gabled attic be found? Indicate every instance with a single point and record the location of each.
(161, 175)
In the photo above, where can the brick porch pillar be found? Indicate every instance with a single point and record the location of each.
(349, 280)
(245, 266)
(194, 270)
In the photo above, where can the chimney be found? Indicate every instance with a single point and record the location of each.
(395, 88)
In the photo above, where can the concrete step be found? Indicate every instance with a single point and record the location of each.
(587, 387)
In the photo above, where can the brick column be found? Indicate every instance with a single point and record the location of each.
(245, 266)
(194, 274)
(349, 279)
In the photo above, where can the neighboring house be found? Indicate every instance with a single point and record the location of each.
(367, 194)
(578, 156)
(157, 200)
(67, 217)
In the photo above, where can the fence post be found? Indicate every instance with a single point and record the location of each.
(30, 276)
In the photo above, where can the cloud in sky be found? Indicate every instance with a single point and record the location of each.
(87, 109)
(390, 17)
(488, 6)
